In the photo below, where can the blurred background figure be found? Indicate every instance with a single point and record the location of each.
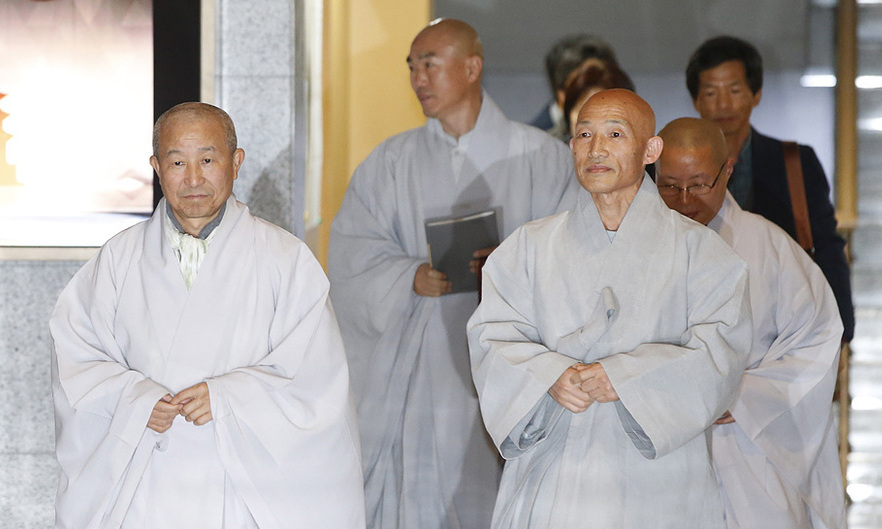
(565, 56)
(592, 76)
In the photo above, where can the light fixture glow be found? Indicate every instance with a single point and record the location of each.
(868, 82)
(866, 403)
(871, 124)
(859, 492)
(818, 80)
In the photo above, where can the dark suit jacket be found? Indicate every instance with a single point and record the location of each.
(771, 199)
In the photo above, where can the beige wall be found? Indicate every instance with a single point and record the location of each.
(367, 95)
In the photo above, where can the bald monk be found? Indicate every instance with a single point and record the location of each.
(428, 461)
(198, 375)
(608, 339)
(775, 449)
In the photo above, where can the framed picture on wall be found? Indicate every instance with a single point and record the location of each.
(76, 112)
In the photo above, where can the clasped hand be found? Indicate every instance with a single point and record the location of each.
(192, 403)
(581, 385)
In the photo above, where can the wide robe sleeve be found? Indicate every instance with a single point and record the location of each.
(511, 366)
(374, 251)
(675, 391)
(784, 399)
(285, 427)
(369, 266)
(101, 406)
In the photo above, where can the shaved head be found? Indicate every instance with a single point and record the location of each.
(462, 36)
(632, 107)
(446, 63)
(694, 134)
(694, 168)
(191, 111)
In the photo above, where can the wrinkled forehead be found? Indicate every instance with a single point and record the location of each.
(598, 115)
(206, 128)
(620, 111)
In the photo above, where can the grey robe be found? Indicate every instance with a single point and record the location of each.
(778, 462)
(663, 308)
(282, 449)
(428, 462)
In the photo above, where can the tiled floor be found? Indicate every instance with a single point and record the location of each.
(865, 437)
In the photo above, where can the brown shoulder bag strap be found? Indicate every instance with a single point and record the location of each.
(796, 185)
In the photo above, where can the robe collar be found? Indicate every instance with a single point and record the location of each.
(628, 260)
(206, 231)
(717, 222)
(488, 142)
(161, 275)
(586, 220)
(722, 222)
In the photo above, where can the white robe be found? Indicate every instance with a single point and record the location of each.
(428, 462)
(663, 308)
(778, 462)
(282, 449)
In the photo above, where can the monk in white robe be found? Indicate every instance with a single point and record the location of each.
(775, 450)
(428, 461)
(202, 381)
(608, 339)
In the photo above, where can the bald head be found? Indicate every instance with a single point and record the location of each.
(627, 106)
(694, 168)
(462, 36)
(194, 111)
(695, 134)
(446, 63)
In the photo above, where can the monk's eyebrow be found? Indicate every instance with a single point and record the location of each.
(426, 55)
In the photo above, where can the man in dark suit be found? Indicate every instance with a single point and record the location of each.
(725, 79)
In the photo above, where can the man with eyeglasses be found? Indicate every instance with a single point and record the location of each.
(775, 449)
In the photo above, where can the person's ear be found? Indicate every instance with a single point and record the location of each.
(727, 171)
(474, 66)
(654, 146)
(238, 158)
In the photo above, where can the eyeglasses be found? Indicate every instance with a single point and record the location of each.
(694, 189)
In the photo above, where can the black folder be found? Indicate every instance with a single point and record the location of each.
(453, 240)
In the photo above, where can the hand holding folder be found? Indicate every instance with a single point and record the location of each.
(453, 241)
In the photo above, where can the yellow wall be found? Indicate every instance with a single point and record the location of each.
(366, 94)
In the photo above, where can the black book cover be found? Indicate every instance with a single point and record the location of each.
(453, 240)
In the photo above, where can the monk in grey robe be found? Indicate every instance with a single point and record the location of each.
(609, 338)
(775, 450)
(428, 461)
(198, 374)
